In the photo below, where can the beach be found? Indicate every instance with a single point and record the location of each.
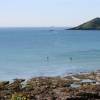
(83, 86)
(49, 50)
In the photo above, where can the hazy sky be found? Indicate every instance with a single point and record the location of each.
(47, 12)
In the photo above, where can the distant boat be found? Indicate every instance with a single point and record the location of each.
(51, 30)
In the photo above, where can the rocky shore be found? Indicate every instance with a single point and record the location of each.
(83, 86)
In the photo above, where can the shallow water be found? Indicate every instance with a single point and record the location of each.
(28, 52)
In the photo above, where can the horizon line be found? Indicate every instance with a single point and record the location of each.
(34, 27)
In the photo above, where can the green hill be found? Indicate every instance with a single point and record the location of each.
(93, 24)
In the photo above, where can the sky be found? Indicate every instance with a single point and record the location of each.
(46, 13)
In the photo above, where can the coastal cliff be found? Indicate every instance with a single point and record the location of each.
(93, 24)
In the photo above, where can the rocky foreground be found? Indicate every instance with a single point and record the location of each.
(73, 87)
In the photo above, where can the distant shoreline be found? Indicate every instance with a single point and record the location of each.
(93, 24)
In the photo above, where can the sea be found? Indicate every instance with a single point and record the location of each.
(33, 52)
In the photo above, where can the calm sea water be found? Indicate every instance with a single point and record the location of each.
(28, 52)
